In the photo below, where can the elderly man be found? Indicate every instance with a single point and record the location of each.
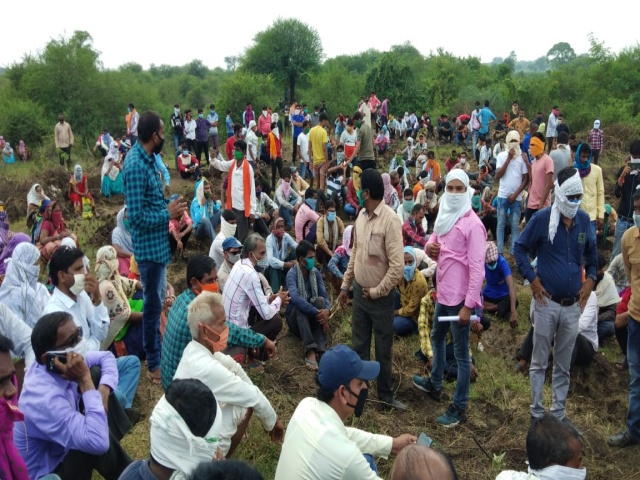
(56, 435)
(203, 358)
(317, 445)
(564, 242)
(458, 245)
(231, 248)
(418, 462)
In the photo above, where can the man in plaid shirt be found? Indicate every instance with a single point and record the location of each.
(596, 140)
(149, 213)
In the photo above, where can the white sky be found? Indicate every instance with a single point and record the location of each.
(216, 29)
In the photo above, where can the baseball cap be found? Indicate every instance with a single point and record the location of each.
(231, 242)
(339, 365)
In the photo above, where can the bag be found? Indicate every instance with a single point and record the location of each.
(87, 212)
(310, 236)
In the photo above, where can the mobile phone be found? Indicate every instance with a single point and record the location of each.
(51, 366)
(424, 439)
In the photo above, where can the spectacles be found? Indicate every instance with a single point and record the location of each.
(578, 197)
(72, 341)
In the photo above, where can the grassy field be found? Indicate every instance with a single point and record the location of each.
(494, 437)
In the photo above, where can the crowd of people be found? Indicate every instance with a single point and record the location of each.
(406, 252)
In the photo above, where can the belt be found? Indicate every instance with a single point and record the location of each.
(626, 219)
(564, 302)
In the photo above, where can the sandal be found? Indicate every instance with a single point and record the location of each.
(154, 377)
(311, 364)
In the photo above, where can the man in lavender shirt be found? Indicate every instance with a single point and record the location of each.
(65, 430)
(458, 244)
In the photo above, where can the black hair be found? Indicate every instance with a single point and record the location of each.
(303, 248)
(371, 180)
(357, 116)
(323, 116)
(199, 266)
(45, 332)
(417, 208)
(329, 204)
(273, 125)
(574, 146)
(200, 110)
(61, 261)
(228, 111)
(237, 127)
(565, 174)
(478, 103)
(195, 403)
(486, 103)
(584, 147)
(176, 105)
(340, 148)
(407, 192)
(634, 149)
(400, 171)
(539, 136)
(324, 394)
(548, 442)
(563, 138)
(241, 144)
(6, 344)
(228, 215)
(188, 110)
(212, 106)
(309, 193)
(287, 173)
(148, 124)
(423, 174)
(131, 105)
(227, 470)
(305, 123)
(350, 122)
(430, 154)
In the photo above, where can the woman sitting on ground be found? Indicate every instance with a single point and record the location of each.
(7, 154)
(125, 315)
(121, 241)
(78, 191)
(8, 249)
(52, 230)
(23, 151)
(20, 290)
(35, 197)
(179, 233)
(340, 259)
(111, 175)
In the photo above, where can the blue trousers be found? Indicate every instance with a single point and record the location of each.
(633, 358)
(153, 277)
(128, 377)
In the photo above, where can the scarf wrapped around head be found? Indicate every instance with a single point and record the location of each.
(12, 466)
(355, 174)
(512, 136)
(583, 168)
(346, 239)
(388, 189)
(286, 189)
(120, 235)
(536, 147)
(172, 443)
(453, 206)
(7, 251)
(561, 205)
(107, 271)
(77, 173)
(35, 198)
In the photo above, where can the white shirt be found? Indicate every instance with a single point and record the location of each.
(18, 332)
(215, 251)
(512, 178)
(303, 143)
(317, 446)
(190, 129)
(244, 290)
(552, 126)
(366, 113)
(233, 389)
(588, 326)
(93, 320)
(237, 191)
(349, 139)
(252, 146)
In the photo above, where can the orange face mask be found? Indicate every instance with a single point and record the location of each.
(208, 287)
(221, 343)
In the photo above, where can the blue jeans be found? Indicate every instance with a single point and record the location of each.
(621, 227)
(128, 377)
(285, 213)
(474, 136)
(176, 141)
(207, 227)
(304, 170)
(460, 335)
(348, 209)
(633, 358)
(512, 210)
(403, 326)
(153, 277)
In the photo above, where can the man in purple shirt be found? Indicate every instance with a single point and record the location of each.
(66, 430)
(458, 245)
(202, 136)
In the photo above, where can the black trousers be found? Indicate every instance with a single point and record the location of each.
(202, 147)
(307, 328)
(173, 245)
(275, 165)
(242, 231)
(66, 152)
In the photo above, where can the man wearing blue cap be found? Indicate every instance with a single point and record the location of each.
(317, 445)
(231, 253)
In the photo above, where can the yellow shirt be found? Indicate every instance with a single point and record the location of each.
(411, 293)
(318, 139)
(630, 245)
(593, 193)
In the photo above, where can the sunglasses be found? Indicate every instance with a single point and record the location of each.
(574, 197)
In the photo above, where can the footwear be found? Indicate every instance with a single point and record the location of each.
(622, 439)
(421, 357)
(311, 364)
(154, 376)
(393, 403)
(425, 385)
(452, 417)
(134, 415)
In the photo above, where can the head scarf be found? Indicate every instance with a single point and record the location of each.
(35, 198)
(12, 466)
(286, 189)
(226, 228)
(107, 271)
(492, 252)
(388, 189)
(120, 235)
(22, 147)
(346, 239)
(113, 151)
(4, 229)
(511, 136)
(583, 168)
(77, 173)
(596, 124)
(106, 263)
(7, 251)
(453, 206)
(356, 172)
(571, 186)
(172, 443)
(252, 124)
(536, 146)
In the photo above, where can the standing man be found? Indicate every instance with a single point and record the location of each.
(384, 112)
(364, 144)
(375, 269)
(593, 186)
(552, 127)
(485, 117)
(251, 140)
(318, 142)
(228, 123)
(474, 125)
(513, 175)
(541, 177)
(561, 155)
(520, 123)
(596, 140)
(458, 244)
(64, 140)
(302, 147)
(297, 120)
(177, 123)
(628, 179)
(202, 136)
(564, 242)
(190, 131)
(373, 103)
(630, 252)
(149, 214)
(134, 119)
(241, 189)
(212, 118)
(248, 116)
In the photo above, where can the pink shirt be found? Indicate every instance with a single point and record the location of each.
(460, 272)
(175, 224)
(302, 217)
(539, 170)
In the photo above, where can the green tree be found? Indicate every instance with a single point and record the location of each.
(561, 54)
(289, 50)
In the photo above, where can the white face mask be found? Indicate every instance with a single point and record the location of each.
(567, 208)
(81, 349)
(78, 284)
(560, 472)
(233, 259)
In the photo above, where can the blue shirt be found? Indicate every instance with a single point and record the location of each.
(138, 471)
(146, 207)
(297, 118)
(496, 286)
(162, 168)
(229, 124)
(560, 263)
(298, 300)
(485, 116)
(525, 145)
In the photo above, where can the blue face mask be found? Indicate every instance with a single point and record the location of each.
(312, 203)
(636, 220)
(492, 266)
(331, 216)
(212, 112)
(409, 271)
(126, 223)
(408, 205)
(575, 200)
(309, 263)
(201, 115)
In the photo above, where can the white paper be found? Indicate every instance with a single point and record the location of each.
(455, 318)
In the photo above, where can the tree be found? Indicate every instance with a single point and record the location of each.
(597, 50)
(561, 54)
(232, 62)
(289, 50)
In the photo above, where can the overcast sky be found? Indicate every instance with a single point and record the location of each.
(176, 32)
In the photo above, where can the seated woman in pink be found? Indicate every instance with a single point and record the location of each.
(78, 190)
(179, 233)
(52, 230)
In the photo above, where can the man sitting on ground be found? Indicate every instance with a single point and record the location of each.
(185, 425)
(413, 235)
(308, 312)
(231, 248)
(228, 226)
(317, 445)
(499, 293)
(418, 462)
(413, 288)
(280, 254)
(203, 359)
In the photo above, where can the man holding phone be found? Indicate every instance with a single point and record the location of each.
(66, 430)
